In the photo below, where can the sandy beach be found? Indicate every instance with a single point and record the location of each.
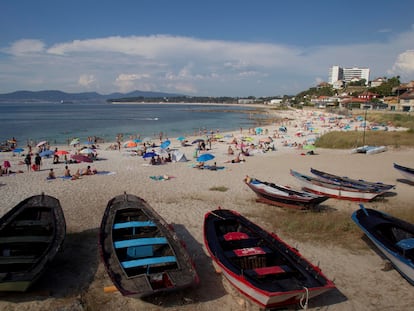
(76, 278)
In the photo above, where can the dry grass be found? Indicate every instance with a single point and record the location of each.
(323, 227)
(352, 139)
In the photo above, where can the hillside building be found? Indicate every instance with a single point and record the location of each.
(337, 73)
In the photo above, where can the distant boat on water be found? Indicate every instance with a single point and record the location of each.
(66, 102)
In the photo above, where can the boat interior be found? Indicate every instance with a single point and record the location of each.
(260, 260)
(25, 239)
(140, 245)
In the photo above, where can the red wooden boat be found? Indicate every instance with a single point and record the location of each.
(259, 264)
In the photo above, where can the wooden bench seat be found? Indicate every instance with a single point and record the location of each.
(134, 224)
(140, 242)
(267, 271)
(148, 261)
(26, 239)
(9, 260)
(34, 223)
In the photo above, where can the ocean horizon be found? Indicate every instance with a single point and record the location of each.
(60, 123)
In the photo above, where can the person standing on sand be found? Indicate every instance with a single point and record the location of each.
(38, 162)
(28, 161)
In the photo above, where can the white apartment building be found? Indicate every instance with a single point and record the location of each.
(337, 73)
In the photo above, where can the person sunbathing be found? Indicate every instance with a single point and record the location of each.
(88, 171)
(237, 159)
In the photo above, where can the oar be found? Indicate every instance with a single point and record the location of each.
(363, 208)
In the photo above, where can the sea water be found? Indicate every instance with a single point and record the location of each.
(58, 123)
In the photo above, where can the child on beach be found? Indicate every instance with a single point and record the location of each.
(51, 174)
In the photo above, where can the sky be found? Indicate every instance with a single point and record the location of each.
(231, 48)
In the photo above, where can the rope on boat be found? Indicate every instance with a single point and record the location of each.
(304, 306)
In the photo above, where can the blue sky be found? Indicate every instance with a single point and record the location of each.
(200, 48)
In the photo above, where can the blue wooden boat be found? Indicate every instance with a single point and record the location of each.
(141, 253)
(31, 234)
(392, 236)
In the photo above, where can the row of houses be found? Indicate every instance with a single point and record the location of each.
(403, 101)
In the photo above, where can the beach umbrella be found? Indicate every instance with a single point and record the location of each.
(181, 138)
(309, 147)
(130, 144)
(249, 139)
(165, 144)
(46, 153)
(149, 155)
(259, 130)
(74, 141)
(198, 140)
(205, 157)
(87, 151)
(18, 150)
(61, 152)
(146, 139)
(41, 143)
(137, 140)
(81, 158)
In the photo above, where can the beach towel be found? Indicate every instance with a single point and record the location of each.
(105, 173)
(161, 177)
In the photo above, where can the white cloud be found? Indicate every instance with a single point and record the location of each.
(126, 82)
(185, 64)
(86, 80)
(25, 46)
(404, 63)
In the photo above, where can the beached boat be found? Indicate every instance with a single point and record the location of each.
(333, 190)
(407, 172)
(392, 236)
(259, 264)
(31, 234)
(346, 181)
(283, 196)
(369, 149)
(140, 251)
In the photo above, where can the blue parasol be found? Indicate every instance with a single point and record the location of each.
(165, 144)
(149, 155)
(205, 157)
(46, 153)
(18, 150)
(181, 138)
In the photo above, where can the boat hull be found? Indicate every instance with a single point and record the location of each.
(346, 181)
(259, 264)
(407, 172)
(388, 233)
(31, 235)
(141, 252)
(282, 196)
(332, 190)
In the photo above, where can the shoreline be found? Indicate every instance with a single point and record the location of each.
(76, 278)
